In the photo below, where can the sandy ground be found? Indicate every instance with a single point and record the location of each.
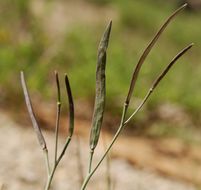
(23, 166)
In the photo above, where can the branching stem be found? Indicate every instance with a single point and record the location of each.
(50, 176)
(107, 150)
(47, 161)
(91, 159)
(123, 122)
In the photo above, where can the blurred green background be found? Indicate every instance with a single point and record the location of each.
(42, 36)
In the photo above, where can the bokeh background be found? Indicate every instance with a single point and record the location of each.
(41, 36)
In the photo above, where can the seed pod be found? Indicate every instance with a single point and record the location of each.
(71, 106)
(58, 88)
(169, 66)
(32, 115)
(99, 105)
(147, 51)
(158, 80)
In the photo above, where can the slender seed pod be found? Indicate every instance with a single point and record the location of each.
(158, 80)
(32, 114)
(57, 126)
(71, 106)
(58, 88)
(161, 76)
(147, 51)
(99, 105)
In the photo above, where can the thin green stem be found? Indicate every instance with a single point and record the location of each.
(140, 106)
(88, 177)
(91, 160)
(47, 161)
(71, 126)
(64, 149)
(121, 127)
(50, 177)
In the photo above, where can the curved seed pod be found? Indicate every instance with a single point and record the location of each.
(147, 51)
(99, 105)
(58, 88)
(31, 114)
(161, 76)
(158, 80)
(71, 106)
(57, 125)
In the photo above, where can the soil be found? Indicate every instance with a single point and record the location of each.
(23, 165)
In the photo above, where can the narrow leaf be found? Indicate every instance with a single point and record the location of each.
(71, 106)
(99, 105)
(32, 114)
(147, 51)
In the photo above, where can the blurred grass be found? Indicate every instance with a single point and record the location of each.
(24, 45)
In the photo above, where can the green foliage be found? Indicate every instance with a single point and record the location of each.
(100, 2)
(25, 45)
